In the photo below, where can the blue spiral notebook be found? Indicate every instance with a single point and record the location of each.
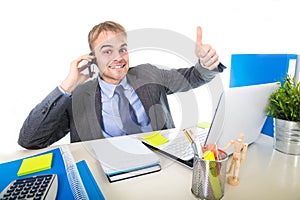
(9, 170)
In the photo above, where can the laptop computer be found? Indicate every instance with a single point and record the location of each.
(240, 109)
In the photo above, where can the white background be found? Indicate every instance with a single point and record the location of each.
(40, 38)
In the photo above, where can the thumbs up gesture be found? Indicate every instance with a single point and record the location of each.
(207, 55)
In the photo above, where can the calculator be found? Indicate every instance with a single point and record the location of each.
(34, 187)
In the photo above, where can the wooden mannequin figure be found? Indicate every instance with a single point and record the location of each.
(240, 149)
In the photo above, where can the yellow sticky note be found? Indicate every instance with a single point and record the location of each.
(208, 155)
(204, 125)
(155, 139)
(35, 164)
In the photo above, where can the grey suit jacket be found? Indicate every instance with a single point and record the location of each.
(57, 115)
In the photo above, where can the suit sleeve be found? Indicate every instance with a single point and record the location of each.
(47, 122)
(184, 79)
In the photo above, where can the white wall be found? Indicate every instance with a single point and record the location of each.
(39, 39)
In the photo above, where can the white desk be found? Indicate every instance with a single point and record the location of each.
(265, 174)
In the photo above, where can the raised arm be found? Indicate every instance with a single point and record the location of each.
(49, 121)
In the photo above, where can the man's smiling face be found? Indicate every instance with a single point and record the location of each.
(112, 56)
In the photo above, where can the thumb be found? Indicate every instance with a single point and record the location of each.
(200, 48)
(199, 36)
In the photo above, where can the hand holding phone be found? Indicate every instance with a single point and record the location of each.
(77, 73)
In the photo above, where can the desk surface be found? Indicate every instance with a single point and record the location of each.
(265, 174)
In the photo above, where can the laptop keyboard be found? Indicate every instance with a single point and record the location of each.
(180, 147)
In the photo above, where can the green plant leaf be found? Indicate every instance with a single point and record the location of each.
(284, 103)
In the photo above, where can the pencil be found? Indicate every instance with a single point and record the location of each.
(193, 144)
(188, 136)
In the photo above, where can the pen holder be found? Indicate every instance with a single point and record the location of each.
(209, 177)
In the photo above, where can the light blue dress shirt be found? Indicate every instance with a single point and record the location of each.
(112, 125)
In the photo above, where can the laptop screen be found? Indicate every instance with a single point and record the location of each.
(240, 109)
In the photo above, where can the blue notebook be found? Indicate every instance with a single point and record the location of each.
(8, 173)
(89, 182)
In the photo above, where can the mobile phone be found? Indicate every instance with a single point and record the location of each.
(91, 65)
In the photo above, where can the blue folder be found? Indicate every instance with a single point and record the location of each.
(8, 173)
(252, 69)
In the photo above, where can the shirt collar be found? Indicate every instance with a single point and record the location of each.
(109, 89)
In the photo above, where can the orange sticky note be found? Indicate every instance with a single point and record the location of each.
(35, 164)
(155, 139)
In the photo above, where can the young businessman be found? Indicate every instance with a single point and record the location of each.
(93, 109)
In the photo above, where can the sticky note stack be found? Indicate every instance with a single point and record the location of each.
(35, 164)
(155, 139)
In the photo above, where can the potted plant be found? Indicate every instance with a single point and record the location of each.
(284, 107)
